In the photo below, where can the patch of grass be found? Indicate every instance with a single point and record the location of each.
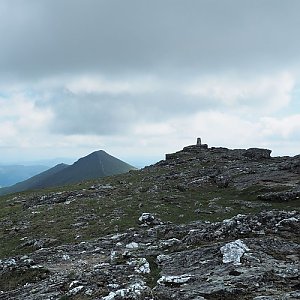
(154, 275)
(13, 279)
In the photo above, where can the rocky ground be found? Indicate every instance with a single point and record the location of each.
(206, 223)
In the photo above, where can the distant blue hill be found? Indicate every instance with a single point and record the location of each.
(11, 174)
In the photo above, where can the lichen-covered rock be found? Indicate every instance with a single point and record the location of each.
(233, 251)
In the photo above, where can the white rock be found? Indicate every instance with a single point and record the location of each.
(146, 217)
(162, 257)
(89, 292)
(37, 267)
(110, 296)
(75, 291)
(101, 265)
(174, 279)
(10, 262)
(113, 256)
(113, 285)
(170, 242)
(141, 265)
(75, 282)
(106, 186)
(137, 287)
(287, 221)
(232, 252)
(132, 245)
(134, 288)
(117, 236)
(65, 257)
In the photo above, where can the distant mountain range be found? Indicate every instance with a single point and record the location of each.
(11, 174)
(95, 165)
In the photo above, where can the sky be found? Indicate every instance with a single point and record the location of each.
(141, 78)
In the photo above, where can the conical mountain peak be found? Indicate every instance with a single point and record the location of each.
(95, 165)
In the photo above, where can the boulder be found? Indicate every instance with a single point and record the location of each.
(148, 219)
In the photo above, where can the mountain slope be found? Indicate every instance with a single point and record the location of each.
(95, 165)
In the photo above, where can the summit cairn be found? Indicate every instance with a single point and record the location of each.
(199, 144)
(191, 149)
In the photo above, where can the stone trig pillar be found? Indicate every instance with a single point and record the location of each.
(198, 142)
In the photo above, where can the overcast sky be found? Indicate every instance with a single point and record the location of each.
(140, 78)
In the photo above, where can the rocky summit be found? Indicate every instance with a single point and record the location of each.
(205, 223)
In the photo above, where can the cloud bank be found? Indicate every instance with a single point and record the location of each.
(141, 78)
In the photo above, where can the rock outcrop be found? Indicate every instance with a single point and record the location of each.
(244, 257)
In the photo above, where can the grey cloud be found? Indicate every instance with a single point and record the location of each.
(105, 114)
(90, 115)
(45, 38)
